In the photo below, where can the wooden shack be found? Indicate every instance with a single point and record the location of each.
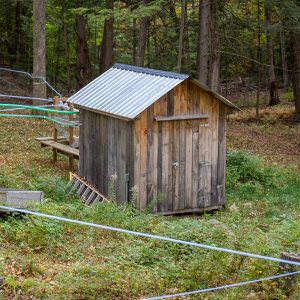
(154, 137)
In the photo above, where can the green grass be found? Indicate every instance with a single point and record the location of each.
(45, 259)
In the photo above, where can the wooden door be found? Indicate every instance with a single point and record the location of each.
(184, 166)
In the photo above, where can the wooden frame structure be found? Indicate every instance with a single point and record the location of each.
(61, 144)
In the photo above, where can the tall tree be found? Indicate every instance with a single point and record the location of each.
(181, 34)
(39, 48)
(295, 38)
(274, 98)
(66, 44)
(284, 64)
(107, 45)
(258, 57)
(214, 63)
(204, 39)
(83, 72)
(142, 38)
(208, 47)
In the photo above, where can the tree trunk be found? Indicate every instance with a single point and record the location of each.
(142, 38)
(208, 51)
(203, 46)
(107, 45)
(274, 98)
(39, 49)
(258, 59)
(66, 46)
(295, 38)
(214, 59)
(181, 34)
(284, 65)
(173, 14)
(83, 72)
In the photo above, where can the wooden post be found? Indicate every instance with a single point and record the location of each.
(71, 139)
(288, 284)
(55, 132)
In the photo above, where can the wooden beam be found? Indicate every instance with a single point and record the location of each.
(55, 131)
(47, 138)
(66, 149)
(71, 137)
(180, 117)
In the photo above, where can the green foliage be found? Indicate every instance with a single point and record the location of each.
(245, 168)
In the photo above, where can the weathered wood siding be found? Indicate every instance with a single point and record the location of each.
(180, 165)
(106, 149)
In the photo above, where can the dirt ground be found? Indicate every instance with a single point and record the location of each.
(275, 137)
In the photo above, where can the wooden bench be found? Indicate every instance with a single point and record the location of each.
(60, 146)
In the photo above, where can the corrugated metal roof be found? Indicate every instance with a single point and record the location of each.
(125, 91)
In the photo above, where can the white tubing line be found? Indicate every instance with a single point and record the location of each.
(25, 97)
(151, 236)
(33, 77)
(223, 286)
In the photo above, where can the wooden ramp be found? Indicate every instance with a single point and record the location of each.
(85, 191)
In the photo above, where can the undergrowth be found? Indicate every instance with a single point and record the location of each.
(47, 259)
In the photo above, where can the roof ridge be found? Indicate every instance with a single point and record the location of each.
(149, 71)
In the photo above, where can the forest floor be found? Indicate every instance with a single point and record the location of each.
(276, 137)
(45, 259)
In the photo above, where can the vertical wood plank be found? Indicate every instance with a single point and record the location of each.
(150, 154)
(165, 165)
(164, 140)
(170, 138)
(143, 160)
(156, 111)
(175, 169)
(195, 163)
(120, 142)
(159, 167)
(55, 132)
(204, 167)
(82, 143)
(221, 155)
(130, 156)
(214, 151)
(188, 165)
(137, 160)
(182, 146)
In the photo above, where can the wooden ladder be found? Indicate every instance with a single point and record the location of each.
(85, 191)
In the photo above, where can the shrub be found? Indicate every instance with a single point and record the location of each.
(245, 168)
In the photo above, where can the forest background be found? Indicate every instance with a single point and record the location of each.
(249, 51)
